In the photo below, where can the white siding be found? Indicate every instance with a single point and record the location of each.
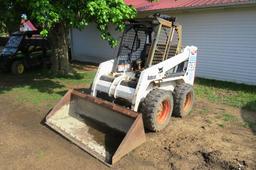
(86, 45)
(226, 41)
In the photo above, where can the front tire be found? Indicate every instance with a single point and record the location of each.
(18, 67)
(157, 110)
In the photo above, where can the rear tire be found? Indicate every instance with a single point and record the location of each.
(18, 67)
(157, 109)
(5, 70)
(183, 100)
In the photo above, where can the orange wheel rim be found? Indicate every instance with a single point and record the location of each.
(188, 102)
(165, 109)
(20, 68)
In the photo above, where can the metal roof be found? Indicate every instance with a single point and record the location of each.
(145, 5)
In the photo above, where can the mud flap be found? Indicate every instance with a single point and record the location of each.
(103, 129)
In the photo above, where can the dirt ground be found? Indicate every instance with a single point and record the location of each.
(200, 141)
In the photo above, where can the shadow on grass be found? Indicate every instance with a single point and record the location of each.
(249, 117)
(226, 85)
(42, 80)
(250, 106)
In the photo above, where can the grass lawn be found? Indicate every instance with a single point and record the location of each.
(39, 86)
(237, 95)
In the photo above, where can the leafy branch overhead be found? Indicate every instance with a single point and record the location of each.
(79, 13)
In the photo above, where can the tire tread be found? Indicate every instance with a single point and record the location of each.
(149, 106)
(180, 93)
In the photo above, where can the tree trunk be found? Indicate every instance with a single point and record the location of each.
(59, 43)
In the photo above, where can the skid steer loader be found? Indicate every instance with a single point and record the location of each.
(150, 80)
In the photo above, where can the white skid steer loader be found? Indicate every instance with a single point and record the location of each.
(150, 80)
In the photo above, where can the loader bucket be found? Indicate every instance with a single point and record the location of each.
(103, 129)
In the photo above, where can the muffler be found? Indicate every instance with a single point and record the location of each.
(103, 129)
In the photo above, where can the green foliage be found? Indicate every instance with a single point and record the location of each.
(71, 13)
(10, 15)
(77, 14)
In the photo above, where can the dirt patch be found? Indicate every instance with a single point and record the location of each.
(200, 142)
(84, 66)
(203, 140)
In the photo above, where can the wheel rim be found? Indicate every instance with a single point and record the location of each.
(20, 68)
(188, 102)
(165, 108)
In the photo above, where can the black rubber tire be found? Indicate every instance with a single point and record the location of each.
(15, 69)
(46, 66)
(150, 108)
(5, 70)
(183, 100)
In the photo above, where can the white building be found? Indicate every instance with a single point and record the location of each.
(224, 32)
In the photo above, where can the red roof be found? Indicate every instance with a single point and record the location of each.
(145, 5)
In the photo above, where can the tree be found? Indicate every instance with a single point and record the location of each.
(58, 16)
(10, 15)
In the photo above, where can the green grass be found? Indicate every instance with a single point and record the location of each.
(237, 95)
(226, 119)
(39, 87)
(221, 125)
(204, 110)
(229, 117)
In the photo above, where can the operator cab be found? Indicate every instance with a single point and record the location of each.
(134, 47)
(146, 42)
